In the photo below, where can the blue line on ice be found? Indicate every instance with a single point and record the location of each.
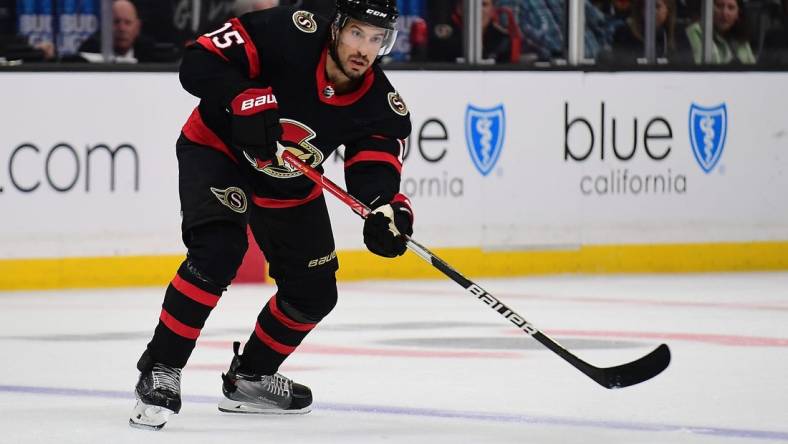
(437, 413)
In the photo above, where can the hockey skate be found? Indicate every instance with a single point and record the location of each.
(246, 392)
(158, 394)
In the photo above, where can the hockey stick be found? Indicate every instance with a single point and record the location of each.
(618, 376)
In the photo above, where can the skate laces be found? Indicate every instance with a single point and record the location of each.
(278, 384)
(166, 378)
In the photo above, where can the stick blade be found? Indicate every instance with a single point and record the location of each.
(636, 371)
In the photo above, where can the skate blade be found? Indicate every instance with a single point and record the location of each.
(230, 406)
(149, 417)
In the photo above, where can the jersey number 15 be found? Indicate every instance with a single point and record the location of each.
(223, 38)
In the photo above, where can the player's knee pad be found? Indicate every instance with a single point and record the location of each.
(216, 250)
(308, 299)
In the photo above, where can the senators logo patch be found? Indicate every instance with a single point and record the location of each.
(233, 198)
(397, 104)
(305, 21)
(298, 137)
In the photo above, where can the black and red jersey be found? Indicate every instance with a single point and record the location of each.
(286, 49)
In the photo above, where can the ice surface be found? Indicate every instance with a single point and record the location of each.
(423, 362)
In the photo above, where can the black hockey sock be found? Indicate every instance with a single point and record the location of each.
(276, 335)
(187, 304)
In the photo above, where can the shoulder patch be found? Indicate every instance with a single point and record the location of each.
(397, 104)
(233, 198)
(305, 21)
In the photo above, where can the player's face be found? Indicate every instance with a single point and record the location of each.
(358, 46)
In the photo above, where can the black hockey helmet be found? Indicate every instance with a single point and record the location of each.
(380, 13)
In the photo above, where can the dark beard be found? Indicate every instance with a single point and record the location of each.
(350, 74)
(355, 79)
(335, 55)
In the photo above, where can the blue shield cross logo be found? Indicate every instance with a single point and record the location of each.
(708, 128)
(485, 129)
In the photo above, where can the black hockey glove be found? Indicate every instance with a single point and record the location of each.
(254, 123)
(384, 227)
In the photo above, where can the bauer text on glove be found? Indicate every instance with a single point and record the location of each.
(254, 122)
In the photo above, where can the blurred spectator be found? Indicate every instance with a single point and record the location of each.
(418, 38)
(616, 12)
(731, 42)
(179, 22)
(446, 42)
(241, 7)
(629, 40)
(775, 44)
(128, 45)
(411, 44)
(542, 23)
(621, 10)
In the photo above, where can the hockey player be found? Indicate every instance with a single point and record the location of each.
(276, 76)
